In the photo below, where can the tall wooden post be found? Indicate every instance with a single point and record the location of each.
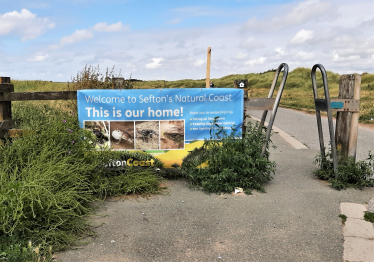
(207, 80)
(5, 107)
(347, 122)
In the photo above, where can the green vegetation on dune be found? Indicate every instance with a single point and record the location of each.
(297, 93)
(37, 86)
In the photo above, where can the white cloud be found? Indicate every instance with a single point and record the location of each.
(251, 43)
(77, 36)
(39, 57)
(232, 47)
(302, 36)
(303, 12)
(305, 55)
(241, 55)
(103, 27)
(155, 64)
(308, 10)
(25, 24)
(80, 35)
(337, 58)
(199, 62)
(257, 61)
(280, 51)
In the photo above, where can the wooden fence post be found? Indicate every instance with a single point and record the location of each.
(207, 79)
(6, 106)
(118, 83)
(347, 122)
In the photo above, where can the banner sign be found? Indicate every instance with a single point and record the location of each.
(157, 119)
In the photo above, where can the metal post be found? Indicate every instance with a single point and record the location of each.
(283, 66)
(329, 116)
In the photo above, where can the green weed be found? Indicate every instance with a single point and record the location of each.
(344, 218)
(231, 162)
(350, 173)
(14, 249)
(369, 217)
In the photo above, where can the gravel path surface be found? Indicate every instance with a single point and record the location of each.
(296, 220)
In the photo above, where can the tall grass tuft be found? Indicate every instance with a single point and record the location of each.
(49, 177)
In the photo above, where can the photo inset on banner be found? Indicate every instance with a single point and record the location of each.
(100, 129)
(122, 134)
(147, 135)
(172, 134)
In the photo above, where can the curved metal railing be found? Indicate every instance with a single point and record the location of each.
(326, 105)
(283, 66)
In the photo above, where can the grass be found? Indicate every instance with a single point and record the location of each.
(349, 174)
(49, 178)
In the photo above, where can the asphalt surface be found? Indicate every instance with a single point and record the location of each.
(303, 127)
(296, 220)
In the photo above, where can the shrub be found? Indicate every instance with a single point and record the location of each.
(231, 161)
(369, 217)
(350, 173)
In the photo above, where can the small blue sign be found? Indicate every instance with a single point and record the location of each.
(337, 105)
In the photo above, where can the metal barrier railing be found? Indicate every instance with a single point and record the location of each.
(328, 105)
(269, 103)
(324, 105)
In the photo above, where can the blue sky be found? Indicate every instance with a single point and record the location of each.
(53, 40)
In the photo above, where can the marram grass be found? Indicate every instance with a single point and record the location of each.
(49, 177)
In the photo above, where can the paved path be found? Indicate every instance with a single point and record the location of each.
(303, 127)
(296, 220)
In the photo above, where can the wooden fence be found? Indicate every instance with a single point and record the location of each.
(7, 95)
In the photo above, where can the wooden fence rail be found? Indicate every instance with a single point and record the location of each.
(7, 95)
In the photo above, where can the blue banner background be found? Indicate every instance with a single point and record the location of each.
(197, 106)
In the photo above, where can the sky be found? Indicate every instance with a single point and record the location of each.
(168, 39)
